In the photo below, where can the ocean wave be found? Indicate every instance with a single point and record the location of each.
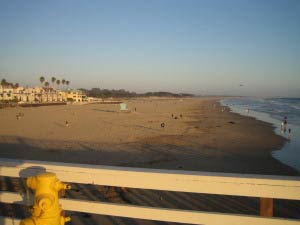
(278, 108)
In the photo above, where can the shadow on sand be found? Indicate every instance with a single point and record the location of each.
(147, 154)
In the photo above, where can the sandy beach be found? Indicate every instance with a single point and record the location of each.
(206, 137)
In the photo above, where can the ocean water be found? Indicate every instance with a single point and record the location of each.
(274, 110)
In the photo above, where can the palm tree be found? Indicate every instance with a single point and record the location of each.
(3, 82)
(58, 83)
(46, 84)
(67, 83)
(42, 79)
(53, 79)
(47, 89)
(63, 82)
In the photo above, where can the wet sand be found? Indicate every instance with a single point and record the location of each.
(206, 138)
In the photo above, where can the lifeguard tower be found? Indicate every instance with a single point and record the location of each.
(124, 107)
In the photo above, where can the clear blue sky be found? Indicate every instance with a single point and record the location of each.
(197, 46)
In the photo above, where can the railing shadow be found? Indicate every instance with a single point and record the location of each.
(149, 152)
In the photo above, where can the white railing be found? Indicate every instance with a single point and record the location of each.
(264, 187)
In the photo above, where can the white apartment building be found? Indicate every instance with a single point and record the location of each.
(40, 95)
(76, 96)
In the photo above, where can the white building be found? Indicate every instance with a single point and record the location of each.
(76, 96)
(31, 95)
(6, 93)
(40, 95)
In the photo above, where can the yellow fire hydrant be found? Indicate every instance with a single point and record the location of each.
(46, 209)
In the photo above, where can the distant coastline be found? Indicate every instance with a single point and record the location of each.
(122, 93)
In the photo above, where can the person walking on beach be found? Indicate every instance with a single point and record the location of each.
(285, 124)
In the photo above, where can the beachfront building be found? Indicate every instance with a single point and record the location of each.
(20, 94)
(76, 96)
(60, 96)
(37, 94)
(6, 93)
(30, 94)
(43, 95)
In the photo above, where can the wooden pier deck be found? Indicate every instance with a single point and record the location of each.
(158, 195)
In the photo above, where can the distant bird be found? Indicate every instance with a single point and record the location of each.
(241, 85)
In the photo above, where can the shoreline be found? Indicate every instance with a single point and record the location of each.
(205, 139)
(287, 154)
